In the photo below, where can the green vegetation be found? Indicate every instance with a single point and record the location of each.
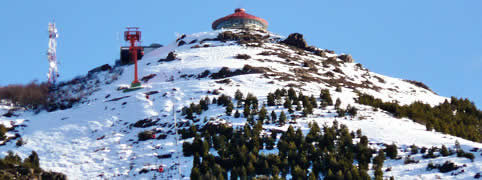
(460, 117)
(328, 151)
(12, 167)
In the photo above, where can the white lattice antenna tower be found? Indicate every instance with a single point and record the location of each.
(52, 54)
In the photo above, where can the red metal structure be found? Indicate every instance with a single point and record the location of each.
(133, 35)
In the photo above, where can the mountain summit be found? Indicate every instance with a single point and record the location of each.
(262, 87)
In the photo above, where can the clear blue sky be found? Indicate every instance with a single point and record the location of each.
(438, 42)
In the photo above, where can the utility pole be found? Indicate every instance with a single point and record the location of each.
(177, 141)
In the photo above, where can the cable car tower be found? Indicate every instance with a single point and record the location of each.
(52, 54)
(133, 35)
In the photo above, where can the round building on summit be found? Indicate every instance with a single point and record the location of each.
(240, 20)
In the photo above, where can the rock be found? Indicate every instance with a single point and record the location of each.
(346, 58)
(181, 43)
(296, 40)
(104, 67)
(170, 57)
(148, 77)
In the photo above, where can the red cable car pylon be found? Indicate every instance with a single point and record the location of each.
(133, 35)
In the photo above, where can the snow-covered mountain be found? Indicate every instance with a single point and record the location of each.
(97, 138)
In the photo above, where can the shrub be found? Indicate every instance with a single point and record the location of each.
(12, 167)
(409, 160)
(31, 96)
(3, 130)
(413, 149)
(392, 151)
(20, 142)
(447, 167)
(461, 153)
(145, 135)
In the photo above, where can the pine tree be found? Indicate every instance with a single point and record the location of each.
(262, 114)
(237, 114)
(273, 116)
(238, 95)
(246, 111)
(189, 114)
(287, 103)
(195, 174)
(392, 151)
(282, 118)
(229, 109)
(271, 99)
(313, 101)
(33, 159)
(292, 94)
(298, 106)
(325, 98)
(444, 151)
(337, 103)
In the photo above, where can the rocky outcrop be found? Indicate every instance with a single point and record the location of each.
(296, 40)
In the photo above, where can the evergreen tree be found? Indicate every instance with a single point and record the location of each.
(238, 95)
(271, 99)
(444, 151)
(352, 111)
(33, 159)
(189, 114)
(282, 118)
(292, 94)
(392, 151)
(229, 109)
(237, 114)
(262, 114)
(246, 111)
(325, 98)
(313, 101)
(273, 116)
(204, 104)
(298, 106)
(195, 174)
(337, 103)
(287, 103)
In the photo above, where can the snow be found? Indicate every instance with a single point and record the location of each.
(95, 139)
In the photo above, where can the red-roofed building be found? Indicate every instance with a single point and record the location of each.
(240, 20)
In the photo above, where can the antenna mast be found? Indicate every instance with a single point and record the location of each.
(52, 54)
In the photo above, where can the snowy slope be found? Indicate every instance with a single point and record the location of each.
(95, 139)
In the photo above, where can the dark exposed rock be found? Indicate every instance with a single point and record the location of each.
(181, 43)
(180, 38)
(170, 57)
(419, 84)
(204, 74)
(296, 40)
(148, 77)
(104, 67)
(247, 69)
(151, 93)
(346, 58)
(164, 156)
(242, 56)
(148, 122)
(117, 99)
(225, 81)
